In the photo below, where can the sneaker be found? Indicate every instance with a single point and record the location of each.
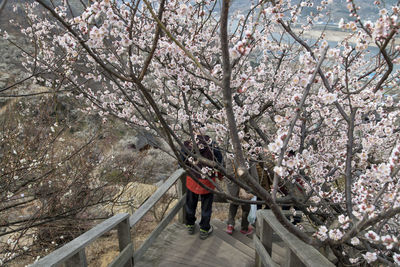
(190, 229)
(249, 231)
(229, 229)
(204, 233)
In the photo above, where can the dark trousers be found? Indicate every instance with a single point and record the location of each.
(232, 214)
(233, 189)
(206, 209)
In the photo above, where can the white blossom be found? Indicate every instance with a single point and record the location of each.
(355, 241)
(370, 257)
(279, 170)
(335, 234)
(354, 260)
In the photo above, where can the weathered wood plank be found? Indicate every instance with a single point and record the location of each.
(307, 254)
(278, 259)
(123, 257)
(236, 234)
(213, 251)
(291, 260)
(220, 233)
(78, 260)
(181, 192)
(68, 250)
(160, 227)
(152, 200)
(263, 254)
(264, 232)
(279, 250)
(124, 238)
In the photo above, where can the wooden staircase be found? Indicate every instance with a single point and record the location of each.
(171, 245)
(175, 247)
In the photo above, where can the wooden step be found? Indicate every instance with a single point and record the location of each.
(213, 251)
(220, 232)
(176, 247)
(247, 240)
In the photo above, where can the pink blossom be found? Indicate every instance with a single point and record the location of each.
(371, 235)
(396, 258)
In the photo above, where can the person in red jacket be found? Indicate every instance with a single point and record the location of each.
(209, 150)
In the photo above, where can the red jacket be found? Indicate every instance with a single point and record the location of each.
(193, 186)
(209, 150)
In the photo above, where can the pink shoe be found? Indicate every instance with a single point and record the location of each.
(249, 231)
(229, 229)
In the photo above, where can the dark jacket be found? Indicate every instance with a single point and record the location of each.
(209, 150)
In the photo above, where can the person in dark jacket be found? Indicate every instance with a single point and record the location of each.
(208, 149)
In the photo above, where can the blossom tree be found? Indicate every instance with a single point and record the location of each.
(50, 187)
(320, 118)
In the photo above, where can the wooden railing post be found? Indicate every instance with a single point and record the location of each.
(292, 260)
(264, 233)
(78, 260)
(124, 238)
(296, 252)
(181, 193)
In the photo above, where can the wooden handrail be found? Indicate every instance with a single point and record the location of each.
(157, 231)
(78, 244)
(299, 253)
(262, 253)
(152, 200)
(123, 257)
(73, 253)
